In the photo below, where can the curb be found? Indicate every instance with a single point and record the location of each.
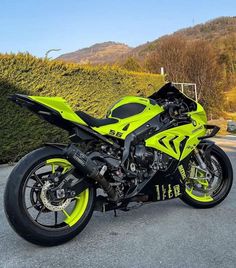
(8, 165)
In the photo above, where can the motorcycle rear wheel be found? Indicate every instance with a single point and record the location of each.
(24, 206)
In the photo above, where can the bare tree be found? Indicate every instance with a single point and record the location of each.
(190, 61)
(202, 68)
(170, 53)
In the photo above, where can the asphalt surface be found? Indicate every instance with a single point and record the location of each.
(163, 234)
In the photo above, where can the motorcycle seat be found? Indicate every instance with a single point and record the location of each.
(94, 122)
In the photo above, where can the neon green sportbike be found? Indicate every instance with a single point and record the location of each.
(145, 150)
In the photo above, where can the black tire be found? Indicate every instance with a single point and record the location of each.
(17, 215)
(227, 172)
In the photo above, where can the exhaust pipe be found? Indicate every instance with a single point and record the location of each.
(90, 169)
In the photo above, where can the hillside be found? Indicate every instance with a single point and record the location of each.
(110, 52)
(210, 31)
(91, 89)
(106, 52)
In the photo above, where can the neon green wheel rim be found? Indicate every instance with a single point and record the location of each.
(205, 197)
(81, 200)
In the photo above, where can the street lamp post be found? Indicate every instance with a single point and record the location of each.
(49, 51)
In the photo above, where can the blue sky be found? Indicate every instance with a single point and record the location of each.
(38, 25)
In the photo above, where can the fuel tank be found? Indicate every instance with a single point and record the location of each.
(132, 112)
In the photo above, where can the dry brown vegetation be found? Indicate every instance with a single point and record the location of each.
(204, 54)
(194, 61)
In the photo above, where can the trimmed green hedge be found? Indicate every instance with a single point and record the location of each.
(91, 89)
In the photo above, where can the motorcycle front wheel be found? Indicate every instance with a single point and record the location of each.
(207, 193)
(32, 215)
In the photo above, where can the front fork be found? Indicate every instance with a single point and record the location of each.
(201, 172)
(201, 163)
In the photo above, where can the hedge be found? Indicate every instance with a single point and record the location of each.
(91, 89)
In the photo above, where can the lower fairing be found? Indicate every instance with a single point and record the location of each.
(158, 187)
(169, 184)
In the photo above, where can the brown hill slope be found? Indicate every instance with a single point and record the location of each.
(106, 52)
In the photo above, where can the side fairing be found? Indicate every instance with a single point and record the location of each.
(178, 142)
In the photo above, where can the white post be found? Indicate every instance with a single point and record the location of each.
(162, 71)
(195, 88)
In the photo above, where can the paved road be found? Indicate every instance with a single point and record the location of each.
(165, 234)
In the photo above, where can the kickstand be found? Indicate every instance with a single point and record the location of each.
(115, 214)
